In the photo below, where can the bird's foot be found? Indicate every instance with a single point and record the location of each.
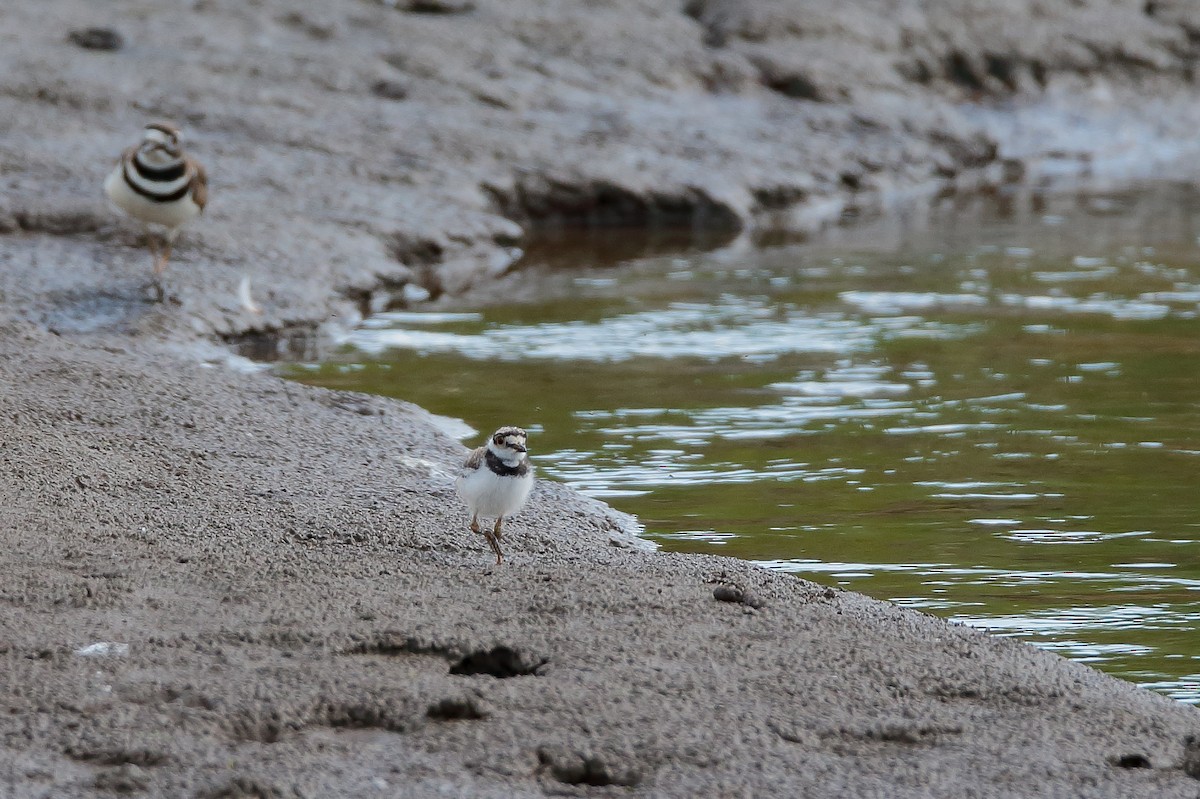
(155, 291)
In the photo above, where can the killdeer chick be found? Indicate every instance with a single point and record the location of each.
(161, 186)
(495, 481)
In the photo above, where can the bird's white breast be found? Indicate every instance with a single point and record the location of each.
(489, 494)
(169, 214)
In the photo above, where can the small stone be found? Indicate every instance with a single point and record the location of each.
(389, 89)
(1191, 756)
(102, 649)
(727, 593)
(440, 6)
(1132, 760)
(97, 39)
(735, 593)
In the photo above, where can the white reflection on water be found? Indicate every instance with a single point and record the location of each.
(1063, 621)
(1186, 689)
(392, 318)
(846, 379)
(1117, 308)
(1148, 305)
(730, 327)
(790, 417)
(723, 329)
(889, 303)
(1034, 536)
(1044, 621)
(650, 470)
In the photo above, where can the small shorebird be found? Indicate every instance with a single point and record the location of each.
(495, 481)
(161, 186)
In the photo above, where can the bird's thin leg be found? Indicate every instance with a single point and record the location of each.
(495, 545)
(160, 262)
(489, 535)
(496, 530)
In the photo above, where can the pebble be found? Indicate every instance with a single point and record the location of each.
(97, 39)
(733, 593)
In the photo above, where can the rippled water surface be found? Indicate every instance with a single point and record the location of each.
(990, 412)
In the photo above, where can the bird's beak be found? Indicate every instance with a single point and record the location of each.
(519, 447)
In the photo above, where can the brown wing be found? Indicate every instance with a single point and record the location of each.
(475, 459)
(199, 182)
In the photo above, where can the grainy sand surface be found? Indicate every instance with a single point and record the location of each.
(218, 584)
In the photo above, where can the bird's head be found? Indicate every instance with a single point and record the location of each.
(164, 139)
(509, 445)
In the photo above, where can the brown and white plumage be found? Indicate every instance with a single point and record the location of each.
(157, 183)
(495, 481)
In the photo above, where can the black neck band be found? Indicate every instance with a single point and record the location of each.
(503, 469)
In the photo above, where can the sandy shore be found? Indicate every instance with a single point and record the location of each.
(218, 584)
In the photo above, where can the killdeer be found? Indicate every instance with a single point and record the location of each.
(161, 186)
(495, 481)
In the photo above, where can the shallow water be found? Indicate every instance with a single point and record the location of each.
(990, 412)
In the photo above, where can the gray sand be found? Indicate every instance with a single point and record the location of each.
(218, 584)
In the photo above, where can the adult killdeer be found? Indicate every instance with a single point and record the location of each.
(161, 186)
(495, 481)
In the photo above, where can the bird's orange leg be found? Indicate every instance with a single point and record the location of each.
(160, 260)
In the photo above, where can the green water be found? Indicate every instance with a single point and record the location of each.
(990, 412)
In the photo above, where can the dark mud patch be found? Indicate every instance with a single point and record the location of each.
(1132, 760)
(590, 768)
(466, 708)
(142, 757)
(549, 248)
(500, 662)
(793, 81)
(904, 731)
(551, 253)
(299, 343)
(65, 220)
(548, 201)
